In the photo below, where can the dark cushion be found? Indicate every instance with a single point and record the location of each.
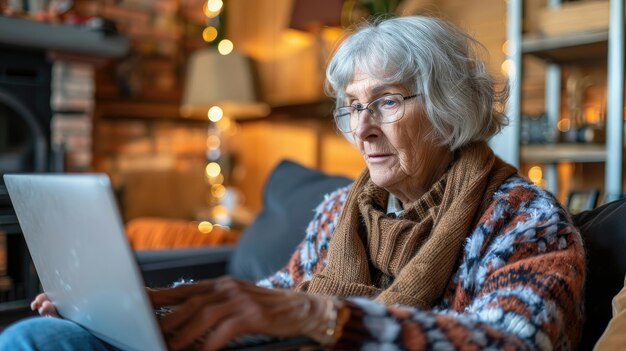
(290, 196)
(604, 233)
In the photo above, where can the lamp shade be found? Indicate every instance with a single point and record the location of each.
(220, 80)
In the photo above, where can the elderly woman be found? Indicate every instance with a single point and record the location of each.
(438, 244)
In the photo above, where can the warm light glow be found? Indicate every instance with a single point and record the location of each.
(508, 68)
(209, 34)
(535, 174)
(563, 125)
(232, 129)
(507, 48)
(214, 5)
(209, 7)
(216, 180)
(215, 114)
(224, 124)
(225, 47)
(220, 211)
(205, 227)
(213, 169)
(218, 190)
(213, 142)
(592, 115)
(297, 38)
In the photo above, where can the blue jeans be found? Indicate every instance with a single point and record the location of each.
(47, 333)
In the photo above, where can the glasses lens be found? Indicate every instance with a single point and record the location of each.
(390, 108)
(343, 116)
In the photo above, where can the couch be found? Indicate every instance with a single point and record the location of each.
(291, 194)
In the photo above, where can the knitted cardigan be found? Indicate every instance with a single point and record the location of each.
(518, 286)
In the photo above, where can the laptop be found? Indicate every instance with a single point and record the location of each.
(86, 266)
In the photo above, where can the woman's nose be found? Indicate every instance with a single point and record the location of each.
(364, 124)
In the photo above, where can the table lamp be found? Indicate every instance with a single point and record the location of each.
(220, 80)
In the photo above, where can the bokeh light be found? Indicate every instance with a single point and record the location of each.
(205, 227)
(215, 114)
(213, 169)
(209, 34)
(535, 174)
(218, 190)
(225, 47)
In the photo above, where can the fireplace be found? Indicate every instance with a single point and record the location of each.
(24, 138)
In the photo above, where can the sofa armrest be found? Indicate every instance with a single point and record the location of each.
(163, 267)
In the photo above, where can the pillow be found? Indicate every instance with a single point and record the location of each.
(604, 234)
(291, 194)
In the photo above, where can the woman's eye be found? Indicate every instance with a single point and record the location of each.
(388, 103)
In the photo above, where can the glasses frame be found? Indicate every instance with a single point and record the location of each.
(359, 109)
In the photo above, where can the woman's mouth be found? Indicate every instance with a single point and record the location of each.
(378, 157)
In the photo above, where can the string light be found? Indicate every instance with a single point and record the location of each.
(225, 47)
(209, 34)
(220, 211)
(212, 8)
(219, 179)
(213, 169)
(218, 190)
(508, 68)
(213, 142)
(215, 114)
(214, 5)
(205, 227)
(217, 131)
(535, 174)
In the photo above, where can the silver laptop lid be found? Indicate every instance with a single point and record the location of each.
(86, 266)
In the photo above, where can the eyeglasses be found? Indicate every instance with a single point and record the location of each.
(386, 109)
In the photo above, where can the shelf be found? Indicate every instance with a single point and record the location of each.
(554, 153)
(45, 36)
(144, 110)
(574, 47)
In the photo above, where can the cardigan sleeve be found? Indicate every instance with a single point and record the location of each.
(519, 287)
(310, 255)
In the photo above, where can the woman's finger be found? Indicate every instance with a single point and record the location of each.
(179, 294)
(187, 310)
(201, 323)
(225, 332)
(48, 309)
(36, 303)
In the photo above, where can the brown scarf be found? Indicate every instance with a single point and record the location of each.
(409, 260)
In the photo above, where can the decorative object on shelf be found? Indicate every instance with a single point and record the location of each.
(584, 124)
(582, 200)
(536, 130)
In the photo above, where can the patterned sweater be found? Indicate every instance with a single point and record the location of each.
(518, 285)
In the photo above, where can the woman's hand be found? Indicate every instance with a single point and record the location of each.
(227, 307)
(44, 306)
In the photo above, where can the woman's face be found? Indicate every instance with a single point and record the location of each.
(401, 156)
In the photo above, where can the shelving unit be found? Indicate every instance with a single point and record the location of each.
(606, 45)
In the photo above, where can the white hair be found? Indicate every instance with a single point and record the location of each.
(431, 57)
